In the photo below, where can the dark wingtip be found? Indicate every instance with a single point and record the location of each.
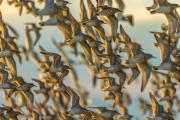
(130, 81)
(142, 89)
(155, 68)
(41, 24)
(42, 52)
(35, 43)
(46, 70)
(131, 20)
(148, 8)
(152, 12)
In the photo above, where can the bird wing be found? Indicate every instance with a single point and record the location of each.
(87, 51)
(120, 4)
(35, 57)
(164, 48)
(98, 108)
(44, 53)
(145, 71)
(29, 99)
(100, 3)
(135, 74)
(173, 22)
(2, 26)
(160, 2)
(113, 22)
(75, 26)
(124, 34)
(37, 33)
(41, 84)
(56, 57)
(74, 95)
(4, 76)
(109, 2)
(154, 104)
(83, 11)
(154, 6)
(11, 65)
(28, 41)
(13, 30)
(92, 9)
(17, 81)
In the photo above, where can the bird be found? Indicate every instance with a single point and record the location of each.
(107, 11)
(20, 4)
(165, 8)
(154, 6)
(104, 114)
(83, 16)
(34, 28)
(158, 110)
(57, 65)
(139, 58)
(42, 90)
(76, 107)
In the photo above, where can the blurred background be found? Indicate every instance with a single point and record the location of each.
(140, 32)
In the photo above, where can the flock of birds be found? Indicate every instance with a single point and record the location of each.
(98, 42)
